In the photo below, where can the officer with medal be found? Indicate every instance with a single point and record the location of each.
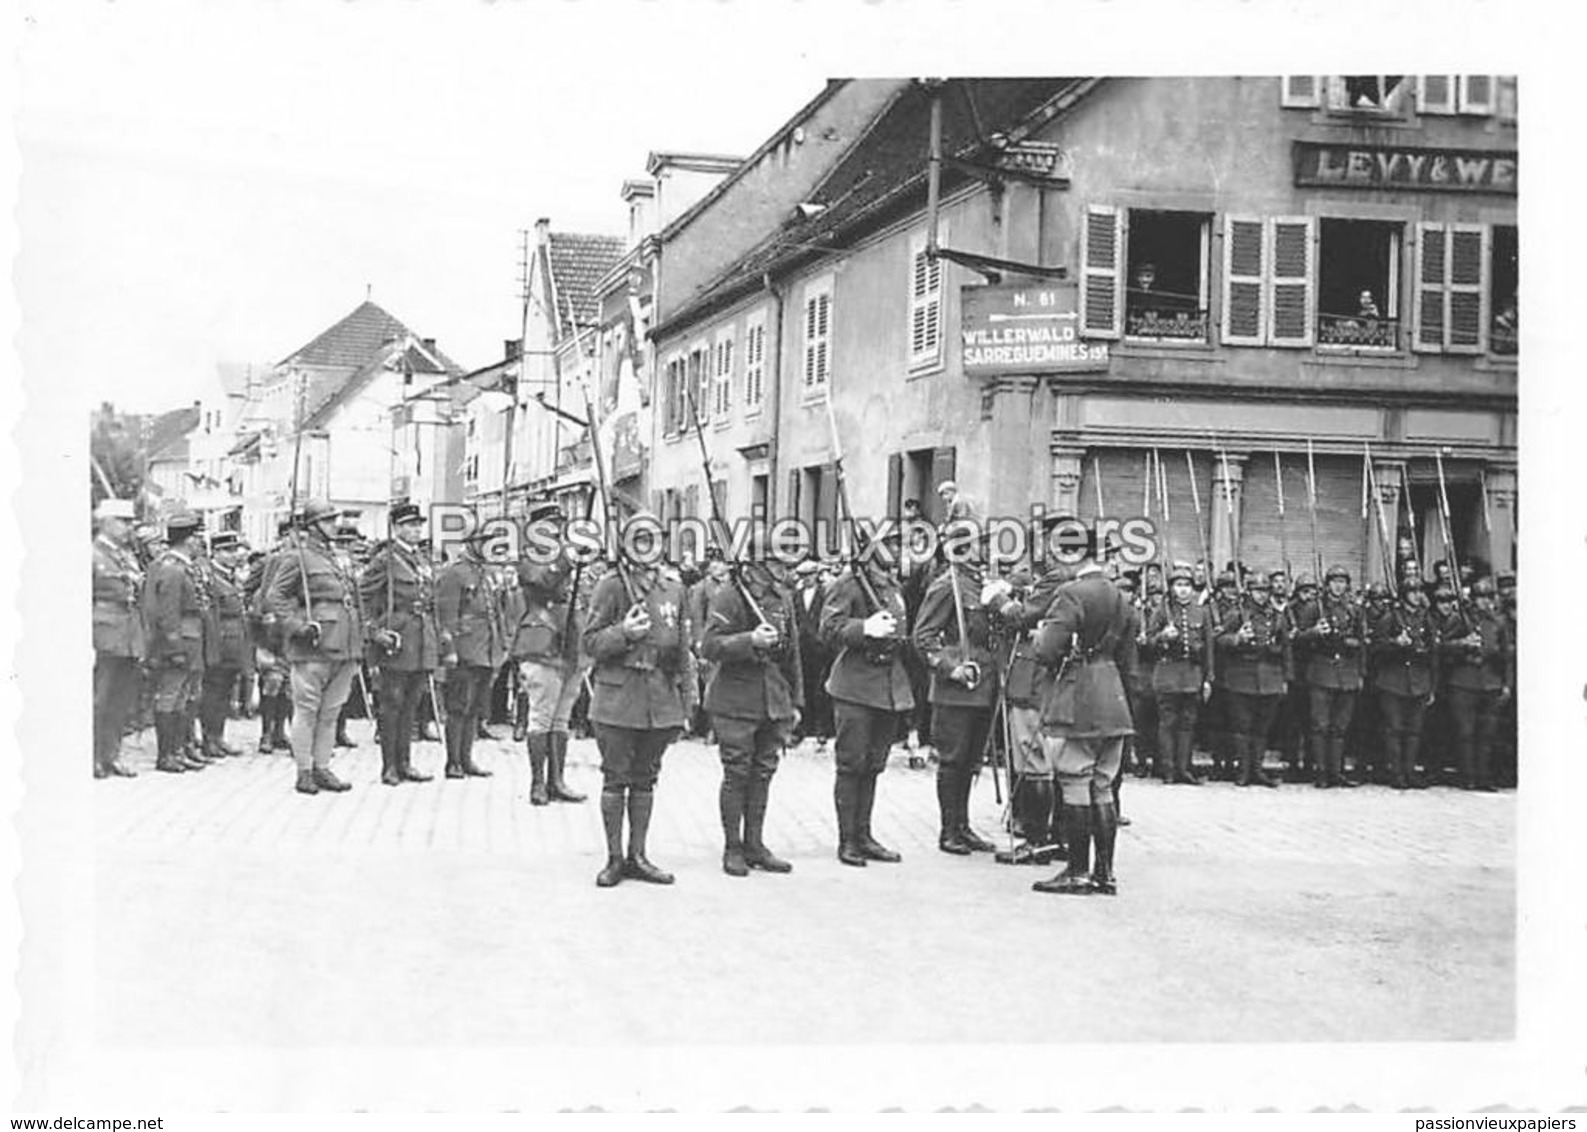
(1181, 633)
(862, 622)
(953, 636)
(754, 698)
(644, 690)
(1330, 633)
(1089, 638)
(177, 605)
(397, 591)
(1476, 658)
(315, 602)
(468, 612)
(118, 633)
(1404, 646)
(232, 655)
(1255, 643)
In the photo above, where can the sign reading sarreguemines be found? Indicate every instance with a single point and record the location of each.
(1025, 329)
(1326, 165)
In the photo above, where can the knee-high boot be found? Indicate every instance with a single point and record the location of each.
(539, 746)
(1104, 829)
(846, 800)
(557, 763)
(948, 838)
(614, 800)
(873, 849)
(756, 855)
(974, 840)
(730, 805)
(165, 743)
(641, 803)
(1075, 879)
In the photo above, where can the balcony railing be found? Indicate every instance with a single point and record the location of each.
(1185, 325)
(1358, 331)
(1503, 340)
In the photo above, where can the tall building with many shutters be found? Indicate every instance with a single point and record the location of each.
(1225, 289)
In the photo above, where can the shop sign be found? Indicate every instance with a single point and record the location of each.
(1328, 166)
(1016, 328)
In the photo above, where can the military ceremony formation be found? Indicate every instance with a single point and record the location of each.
(1060, 677)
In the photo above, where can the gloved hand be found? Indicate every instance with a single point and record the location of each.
(310, 633)
(388, 640)
(636, 623)
(995, 591)
(880, 624)
(764, 636)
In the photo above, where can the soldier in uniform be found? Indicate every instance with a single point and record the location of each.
(397, 591)
(270, 654)
(1180, 634)
(1292, 735)
(1506, 770)
(469, 614)
(1088, 637)
(863, 622)
(1331, 633)
(1141, 749)
(754, 698)
(644, 690)
(351, 553)
(810, 595)
(177, 606)
(1222, 604)
(315, 601)
(1476, 658)
(233, 652)
(545, 647)
(963, 691)
(1255, 641)
(118, 633)
(1404, 644)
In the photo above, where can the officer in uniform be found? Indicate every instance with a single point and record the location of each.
(754, 698)
(644, 690)
(118, 633)
(1180, 634)
(862, 622)
(1476, 659)
(1255, 643)
(270, 652)
(177, 605)
(232, 655)
(1404, 644)
(315, 601)
(469, 614)
(1088, 637)
(963, 691)
(397, 591)
(1331, 632)
(545, 647)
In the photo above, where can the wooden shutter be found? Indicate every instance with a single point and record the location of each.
(1505, 97)
(795, 475)
(895, 485)
(1432, 266)
(1435, 94)
(1102, 282)
(1467, 331)
(1476, 94)
(944, 466)
(1291, 319)
(925, 308)
(1301, 91)
(1244, 264)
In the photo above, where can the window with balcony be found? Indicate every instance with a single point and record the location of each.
(1165, 299)
(1358, 284)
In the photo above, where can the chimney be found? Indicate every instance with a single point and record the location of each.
(543, 231)
(512, 349)
(428, 344)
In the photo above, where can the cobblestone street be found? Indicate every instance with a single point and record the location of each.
(453, 912)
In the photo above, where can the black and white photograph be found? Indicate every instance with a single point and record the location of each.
(705, 557)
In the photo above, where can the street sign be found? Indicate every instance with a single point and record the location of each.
(1025, 328)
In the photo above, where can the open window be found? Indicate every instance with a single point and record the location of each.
(1358, 285)
(1504, 332)
(1165, 298)
(1383, 95)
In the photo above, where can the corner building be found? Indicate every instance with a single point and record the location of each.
(1224, 273)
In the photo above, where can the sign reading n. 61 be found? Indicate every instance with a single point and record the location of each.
(1023, 328)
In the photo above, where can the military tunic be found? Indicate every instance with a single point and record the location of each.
(397, 591)
(118, 645)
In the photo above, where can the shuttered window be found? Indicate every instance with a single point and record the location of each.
(1435, 94)
(1290, 281)
(1301, 91)
(1452, 268)
(925, 306)
(1244, 274)
(754, 363)
(672, 396)
(722, 376)
(1476, 94)
(817, 334)
(697, 381)
(1102, 282)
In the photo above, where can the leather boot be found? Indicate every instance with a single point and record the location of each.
(1075, 879)
(520, 723)
(1465, 757)
(1391, 756)
(756, 855)
(1319, 758)
(467, 735)
(1412, 746)
(390, 767)
(539, 745)
(267, 712)
(165, 744)
(405, 764)
(641, 802)
(1168, 752)
(1035, 798)
(1243, 745)
(1184, 750)
(557, 787)
(614, 801)
(948, 839)
(730, 803)
(872, 849)
(1259, 774)
(283, 713)
(454, 746)
(846, 800)
(968, 836)
(1104, 829)
(342, 738)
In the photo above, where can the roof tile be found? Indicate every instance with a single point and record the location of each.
(578, 262)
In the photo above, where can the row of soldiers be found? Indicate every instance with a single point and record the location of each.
(1010, 660)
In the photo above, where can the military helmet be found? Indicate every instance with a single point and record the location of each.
(315, 510)
(1336, 571)
(1305, 582)
(1483, 587)
(1225, 578)
(1181, 572)
(1257, 582)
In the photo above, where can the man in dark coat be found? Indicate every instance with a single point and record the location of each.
(644, 690)
(754, 698)
(863, 621)
(1088, 637)
(1255, 644)
(178, 603)
(118, 634)
(1476, 658)
(233, 653)
(468, 609)
(397, 591)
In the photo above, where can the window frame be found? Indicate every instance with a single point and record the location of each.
(1394, 296)
(1203, 285)
(1468, 104)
